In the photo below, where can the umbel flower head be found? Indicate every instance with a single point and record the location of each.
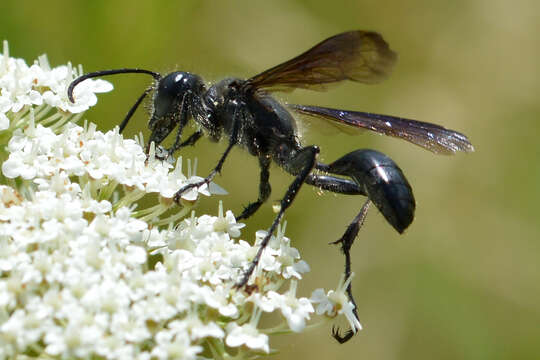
(86, 272)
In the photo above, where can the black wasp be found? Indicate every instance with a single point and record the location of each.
(246, 113)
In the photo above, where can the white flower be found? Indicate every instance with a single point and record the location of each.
(289, 258)
(325, 306)
(280, 257)
(4, 121)
(228, 223)
(337, 302)
(295, 310)
(22, 85)
(200, 330)
(59, 79)
(248, 335)
(174, 344)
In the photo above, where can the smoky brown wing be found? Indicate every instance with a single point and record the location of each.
(432, 137)
(361, 56)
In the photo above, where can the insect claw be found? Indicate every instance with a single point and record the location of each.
(336, 334)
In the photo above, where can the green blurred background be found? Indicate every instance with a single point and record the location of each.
(463, 282)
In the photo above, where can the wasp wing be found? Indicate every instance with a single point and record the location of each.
(361, 56)
(432, 137)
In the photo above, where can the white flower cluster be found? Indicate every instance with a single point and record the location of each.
(22, 85)
(37, 152)
(85, 273)
(112, 287)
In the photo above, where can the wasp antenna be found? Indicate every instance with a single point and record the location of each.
(132, 110)
(80, 79)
